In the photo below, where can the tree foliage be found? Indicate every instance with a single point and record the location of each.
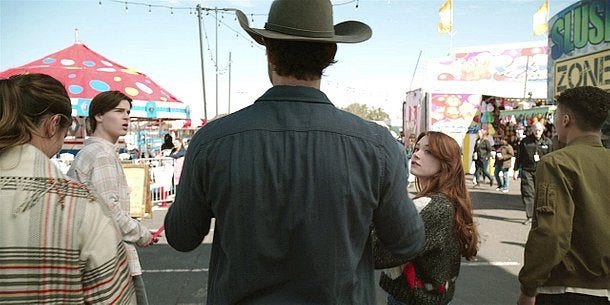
(367, 113)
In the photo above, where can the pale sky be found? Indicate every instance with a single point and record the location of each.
(164, 43)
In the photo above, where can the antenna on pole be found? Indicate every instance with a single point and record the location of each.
(415, 70)
(216, 63)
(76, 36)
(229, 103)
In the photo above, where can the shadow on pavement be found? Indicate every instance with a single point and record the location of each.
(494, 200)
(482, 283)
(173, 277)
(500, 218)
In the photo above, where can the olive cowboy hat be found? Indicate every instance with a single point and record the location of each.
(305, 20)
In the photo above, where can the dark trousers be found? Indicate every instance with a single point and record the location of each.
(502, 183)
(481, 167)
(569, 298)
(528, 192)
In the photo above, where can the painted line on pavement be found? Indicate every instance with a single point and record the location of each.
(175, 270)
(206, 269)
(491, 264)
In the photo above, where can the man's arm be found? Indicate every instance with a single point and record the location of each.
(188, 219)
(397, 223)
(550, 236)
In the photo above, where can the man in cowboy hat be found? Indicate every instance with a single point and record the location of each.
(294, 183)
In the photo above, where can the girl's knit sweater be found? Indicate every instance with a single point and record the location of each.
(438, 263)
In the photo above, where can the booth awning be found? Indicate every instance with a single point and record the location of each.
(532, 111)
(86, 73)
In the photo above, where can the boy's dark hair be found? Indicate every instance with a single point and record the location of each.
(588, 104)
(103, 103)
(300, 59)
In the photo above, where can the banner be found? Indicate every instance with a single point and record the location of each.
(541, 18)
(445, 24)
(579, 47)
(498, 70)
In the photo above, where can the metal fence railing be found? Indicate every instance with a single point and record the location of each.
(162, 187)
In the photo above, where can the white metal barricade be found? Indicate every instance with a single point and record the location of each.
(162, 186)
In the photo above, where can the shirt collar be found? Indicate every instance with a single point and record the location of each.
(592, 140)
(294, 93)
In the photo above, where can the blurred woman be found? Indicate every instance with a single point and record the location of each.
(178, 153)
(58, 245)
(445, 207)
(504, 154)
(480, 156)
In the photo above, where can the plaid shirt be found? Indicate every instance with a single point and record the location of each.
(98, 166)
(58, 245)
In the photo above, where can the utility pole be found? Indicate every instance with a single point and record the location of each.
(216, 15)
(229, 104)
(205, 110)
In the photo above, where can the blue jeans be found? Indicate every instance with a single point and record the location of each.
(138, 284)
(502, 183)
(481, 168)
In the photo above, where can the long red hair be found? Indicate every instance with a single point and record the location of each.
(451, 182)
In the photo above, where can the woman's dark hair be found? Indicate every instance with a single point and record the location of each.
(167, 142)
(103, 103)
(26, 100)
(451, 182)
(588, 104)
(300, 59)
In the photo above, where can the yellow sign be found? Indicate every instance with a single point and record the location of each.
(588, 70)
(138, 179)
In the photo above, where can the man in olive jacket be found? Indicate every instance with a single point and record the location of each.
(567, 254)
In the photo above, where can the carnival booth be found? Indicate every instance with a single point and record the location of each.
(468, 90)
(85, 73)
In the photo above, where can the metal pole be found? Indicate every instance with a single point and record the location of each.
(229, 107)
(205, 108)
(415, 70)
(527, 67)
(216, 64)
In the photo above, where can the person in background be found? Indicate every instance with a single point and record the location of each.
(481, 155)
(531, 149)
(410, 146)
(446, 209)
(58, 245)
(567, 252)
(504, 154)
(294, 183)
(98, 166)
(168, 143)
(178, 153)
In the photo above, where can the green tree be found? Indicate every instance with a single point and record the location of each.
(367, 113)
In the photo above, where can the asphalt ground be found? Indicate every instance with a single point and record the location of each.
(174, 277)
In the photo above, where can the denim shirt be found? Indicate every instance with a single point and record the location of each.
(295, 185)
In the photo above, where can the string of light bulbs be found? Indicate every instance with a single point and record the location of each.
(191, 9)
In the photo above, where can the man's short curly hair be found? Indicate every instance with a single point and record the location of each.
(300, 59)
(588, 104)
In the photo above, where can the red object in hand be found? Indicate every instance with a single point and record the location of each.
(414, 282)
(158, 232)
